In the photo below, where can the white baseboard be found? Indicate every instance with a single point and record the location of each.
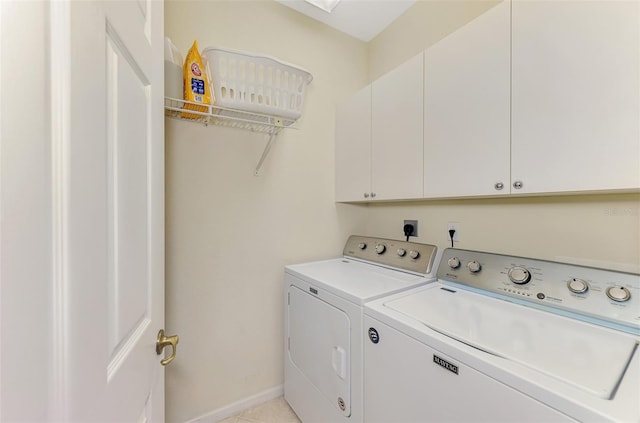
(238, 406)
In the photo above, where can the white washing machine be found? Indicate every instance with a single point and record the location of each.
(323, 321)
(506, 339)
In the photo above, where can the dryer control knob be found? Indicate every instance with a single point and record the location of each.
(474, 266)
(454, 262)
(380, 248)
(401, 252)
(414, 254)
(362, 245)
(519, 275)
(577, 286)
(618, 293)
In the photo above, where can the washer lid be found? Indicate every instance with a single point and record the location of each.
(590, 357)
(353, 280)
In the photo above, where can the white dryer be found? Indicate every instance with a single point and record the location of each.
(324, 321)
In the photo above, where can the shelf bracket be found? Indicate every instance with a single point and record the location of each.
(265, 153)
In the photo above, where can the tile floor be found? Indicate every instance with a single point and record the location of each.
(274, 411)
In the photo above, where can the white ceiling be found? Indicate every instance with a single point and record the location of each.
(363, 19)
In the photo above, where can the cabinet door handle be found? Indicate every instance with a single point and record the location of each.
(517, 184)
(499, 186)
(373, 194)
(366, 195)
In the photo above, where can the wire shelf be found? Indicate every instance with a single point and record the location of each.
(221, 116)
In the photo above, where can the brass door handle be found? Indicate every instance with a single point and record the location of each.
(164, 341)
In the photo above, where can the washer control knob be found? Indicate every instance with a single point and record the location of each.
(401, 252)
(474, 266)
(414, 254)
(618, 293)
(380, 248)
(362, 245)
(454, 262)
(519, 275)
(577, 286)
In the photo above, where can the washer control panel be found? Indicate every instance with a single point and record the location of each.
(410, 256)
(594, 293)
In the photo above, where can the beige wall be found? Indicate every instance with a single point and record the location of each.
(592, 230)
(229, 233)
(423, 24)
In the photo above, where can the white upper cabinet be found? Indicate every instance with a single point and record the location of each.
(379, 140)
(575, 96)
(397, 132)
(466, 109)
(532, 97)
(353, 148)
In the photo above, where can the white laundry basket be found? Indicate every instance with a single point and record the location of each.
(255, 83)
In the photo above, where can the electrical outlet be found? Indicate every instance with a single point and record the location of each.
(455, 226)
(415, 227)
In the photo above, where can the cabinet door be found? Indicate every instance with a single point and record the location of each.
(353, 148)
(397, 130)
(575, 95)
(466, 112)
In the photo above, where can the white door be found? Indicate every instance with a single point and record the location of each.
(113, 213)
(82, 202)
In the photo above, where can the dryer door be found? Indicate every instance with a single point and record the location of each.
(319, 346)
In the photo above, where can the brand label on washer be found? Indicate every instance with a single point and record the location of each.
(444, 363)
(373, 335)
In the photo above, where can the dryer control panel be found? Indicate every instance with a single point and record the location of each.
(595, 294)
(410, 256)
